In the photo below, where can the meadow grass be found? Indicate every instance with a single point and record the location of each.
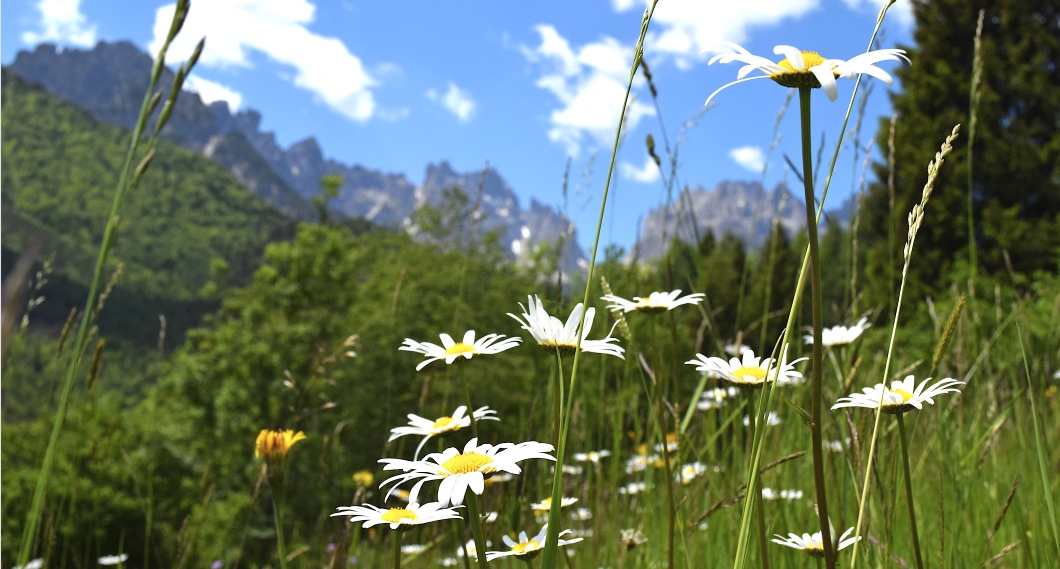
(973, 469)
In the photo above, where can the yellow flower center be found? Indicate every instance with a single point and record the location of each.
(809, 58)
(459, 348)
(397, 515)
(467, 463)
(906, 396)
(756, 372)
(445, 424)
(524, 547)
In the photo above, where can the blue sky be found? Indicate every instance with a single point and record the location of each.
(522, 85)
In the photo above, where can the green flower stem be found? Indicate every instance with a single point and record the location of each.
(763, 543)
(277, 516)
(470, 407)
(557, 398)
(476, 529)
(817, 359)
(671, 510)
(909, 490)
(397, 548)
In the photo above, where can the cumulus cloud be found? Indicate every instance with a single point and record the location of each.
(456, 100)
(750, 157)
(278, 29)
(590, 83)
(61, 22)
(210, 91)
(647, 173)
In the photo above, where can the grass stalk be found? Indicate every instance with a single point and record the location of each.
(904, 441)
(549, 555)
(473, 512)
(397, 548)
(126, 182)
(277, 518)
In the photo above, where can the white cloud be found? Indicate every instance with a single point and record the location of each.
(210, 91)
(590, 84)
(62, 22)
(647, 173)
(750, 157)
(278, 29)
(456, 100)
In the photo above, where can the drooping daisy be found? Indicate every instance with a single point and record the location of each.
(840, 335)
(805, 68)
(450, 351)
(903, 395)
(812, 544)
(528, 548)
(459, 471)
(274, 445)
(428, 428)
(749, 372)
(555, 336)
(655, 302)
(402, 519)
(592, 456)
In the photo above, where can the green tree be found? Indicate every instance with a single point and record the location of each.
(1016, 158)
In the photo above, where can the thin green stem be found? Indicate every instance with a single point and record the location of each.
(549, 555)
(817, 360)
(759, 506)
(476, 528)
(277, 516)
(909, 490)
(397, 549)
(671, 509)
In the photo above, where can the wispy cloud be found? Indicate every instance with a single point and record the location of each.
(751, 158)
(647, 173)
(61, 22)
(278, 29)
(589, 83)
(456, 100)
(211, 91)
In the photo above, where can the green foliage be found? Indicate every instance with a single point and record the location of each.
(1016, 171)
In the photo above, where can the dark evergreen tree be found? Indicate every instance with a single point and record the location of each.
(1016, 156)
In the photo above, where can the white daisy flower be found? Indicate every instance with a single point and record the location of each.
(428, 428)
(716, 398)
(772, 420)
(690, 472)
(735, 349)
(450, 351)
(413, 549)
(749, 372)
(402, 519)
(582, 514)
(903, 395)
(655, 302)
(459, 471)
(113, 559)
(555, 336)
(805, 68)
(544, 506)
(633, 488)
(528, 548)
(789, 495)
(472, 549)
(812, 544)
(840, 335)
(35, 564)
(592, 456)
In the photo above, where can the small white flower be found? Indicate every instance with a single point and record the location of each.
(113, 559)
(655, 302)
(450, 351)
(472, 549)
(772, 420)
(460, 471)
(903, 395)
(633, 488)
(428, 428)
(413, 549)
(812, 544)
(789, 495)
(749, 371)
(805, 68)
(592, 456)
(546, 504)
(399, 518)
(582, 514)
(528, 548)
(716, 398)
(736, 350)
(691, 471)
(35, 564)
(555, 336)
(840, 335)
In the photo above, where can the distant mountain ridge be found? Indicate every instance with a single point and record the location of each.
(109, 81)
